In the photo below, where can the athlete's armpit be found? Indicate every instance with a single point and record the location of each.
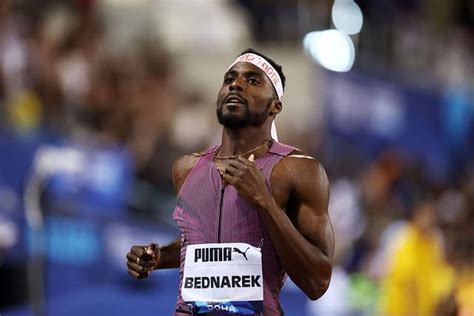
(181, 168)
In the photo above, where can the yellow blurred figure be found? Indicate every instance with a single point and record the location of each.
(418, 277)
(465, 295)
(25, 111)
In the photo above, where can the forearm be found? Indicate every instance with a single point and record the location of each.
(169, 255)
(307, 265)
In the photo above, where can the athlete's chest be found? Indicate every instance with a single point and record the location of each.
(209, 211)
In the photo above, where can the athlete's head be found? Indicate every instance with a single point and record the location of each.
(251, 91)
(421, 211)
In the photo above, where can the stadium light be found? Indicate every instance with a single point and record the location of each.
(347, 16)
(332, 49)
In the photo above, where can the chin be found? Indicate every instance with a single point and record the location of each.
(232, 121)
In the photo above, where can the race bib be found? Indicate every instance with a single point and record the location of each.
(223, 277)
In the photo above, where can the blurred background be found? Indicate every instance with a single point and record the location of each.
(99, 97)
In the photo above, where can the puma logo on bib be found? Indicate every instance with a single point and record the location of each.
(223, 277)
(242, 253)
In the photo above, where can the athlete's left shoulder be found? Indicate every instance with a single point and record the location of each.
(297, 158)
(299, 164)
(291, 152)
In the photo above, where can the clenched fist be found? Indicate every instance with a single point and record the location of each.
(141, 260)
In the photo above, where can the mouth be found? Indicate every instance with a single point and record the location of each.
(234, 99)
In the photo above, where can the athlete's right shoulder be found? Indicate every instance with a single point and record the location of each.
(182, 167)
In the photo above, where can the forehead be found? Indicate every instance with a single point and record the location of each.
(248, 68)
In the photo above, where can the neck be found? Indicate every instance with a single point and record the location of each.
(424, 231)
(236, 142)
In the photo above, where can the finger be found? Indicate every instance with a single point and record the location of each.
(139, 268)
(252, 158)
(131, 257)
(231, 170)
(248, 162)
(151, 249)
(143, 275)
(154, 250)
(239, 163)
(227, 178)
(138, 250)
(146, 256)
(141, 252)
(135, 267)
(145, 260)
(137, 275)
(133, 273)
(140, 261)
(224, 180)
(245, 162)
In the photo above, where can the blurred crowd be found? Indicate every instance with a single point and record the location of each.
(59, 77)
(405, 244)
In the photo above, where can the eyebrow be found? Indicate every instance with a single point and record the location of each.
(246, 74)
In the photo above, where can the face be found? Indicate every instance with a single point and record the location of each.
(246, 98)
(425, 216)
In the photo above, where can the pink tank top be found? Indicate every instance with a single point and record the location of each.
(208, 212)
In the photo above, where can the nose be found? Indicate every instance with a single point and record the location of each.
(236, 85)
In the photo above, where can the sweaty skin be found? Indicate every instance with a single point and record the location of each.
(295, 211)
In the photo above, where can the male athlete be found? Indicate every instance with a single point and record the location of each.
(250, 210)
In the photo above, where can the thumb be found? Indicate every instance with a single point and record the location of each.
(153, 250)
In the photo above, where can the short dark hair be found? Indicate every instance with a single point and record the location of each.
(277, 67)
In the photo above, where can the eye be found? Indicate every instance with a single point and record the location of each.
(253, 81)
(228, 80)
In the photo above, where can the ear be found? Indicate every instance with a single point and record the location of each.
(276, 107)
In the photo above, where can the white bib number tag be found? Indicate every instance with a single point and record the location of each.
(224, 276)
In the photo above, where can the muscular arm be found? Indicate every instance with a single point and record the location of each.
(302, 235)
(169, 254)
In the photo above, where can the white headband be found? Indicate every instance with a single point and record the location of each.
(265, 66)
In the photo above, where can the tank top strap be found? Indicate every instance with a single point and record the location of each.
(210, 150)
(268, 161)
(281, 149)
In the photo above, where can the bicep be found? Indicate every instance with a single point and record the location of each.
(316, 228)
(311, 193)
